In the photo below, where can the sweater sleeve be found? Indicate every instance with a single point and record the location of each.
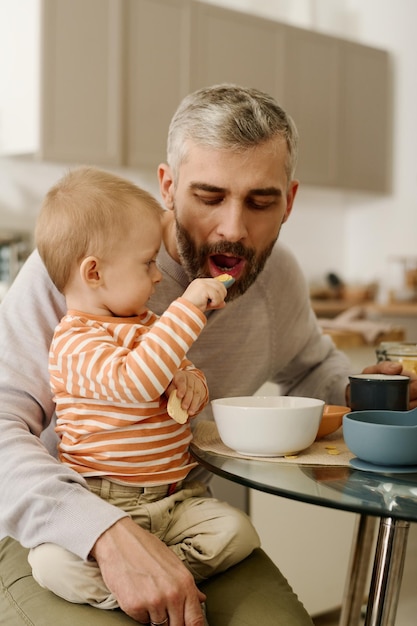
(41, 500)
(102, 367)
(313, 366)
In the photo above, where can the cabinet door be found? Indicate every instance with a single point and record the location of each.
(228, 46)
(311, 96)
(81, 94)
(338, 93)
(158, 58)
(365, 118)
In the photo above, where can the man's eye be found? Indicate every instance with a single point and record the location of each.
(260, 205)
(210, 200)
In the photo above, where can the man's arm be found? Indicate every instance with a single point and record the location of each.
(41, 500)
(315, 367)
(306, 363)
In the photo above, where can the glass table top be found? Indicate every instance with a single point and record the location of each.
(356, 490)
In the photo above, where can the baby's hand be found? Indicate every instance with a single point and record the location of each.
(189, 389)
(206, 294)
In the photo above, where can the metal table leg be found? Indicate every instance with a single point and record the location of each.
(387, 572)
(354, 594)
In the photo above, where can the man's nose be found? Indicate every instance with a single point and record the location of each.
(232, 225)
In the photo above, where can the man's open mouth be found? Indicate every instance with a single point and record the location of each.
(221, 263)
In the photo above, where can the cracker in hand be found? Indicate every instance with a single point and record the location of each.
(175, 409)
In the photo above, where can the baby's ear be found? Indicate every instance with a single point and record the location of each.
(90, 272)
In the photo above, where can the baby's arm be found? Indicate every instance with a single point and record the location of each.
(188, 391)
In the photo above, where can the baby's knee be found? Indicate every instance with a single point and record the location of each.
(46, 563)
(234, 539)
(69, 576)
(242, 535)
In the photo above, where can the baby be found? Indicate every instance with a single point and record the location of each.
(113, 365)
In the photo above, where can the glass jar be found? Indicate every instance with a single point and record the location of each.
(405, 353)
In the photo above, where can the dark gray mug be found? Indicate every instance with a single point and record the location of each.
(379, 391)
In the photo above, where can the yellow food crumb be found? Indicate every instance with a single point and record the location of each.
(223, 278)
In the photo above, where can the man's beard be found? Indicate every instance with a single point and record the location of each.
(195, 260)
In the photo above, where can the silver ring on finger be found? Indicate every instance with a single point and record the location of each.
(165, 621)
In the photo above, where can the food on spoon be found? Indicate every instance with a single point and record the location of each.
(226, 279)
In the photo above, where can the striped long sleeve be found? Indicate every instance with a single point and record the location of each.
(108, 376)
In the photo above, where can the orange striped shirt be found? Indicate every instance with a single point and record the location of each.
(108, 376)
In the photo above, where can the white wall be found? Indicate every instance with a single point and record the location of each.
(19, 75)
(329, 230)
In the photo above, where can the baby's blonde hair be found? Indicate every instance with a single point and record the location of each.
(88, 211)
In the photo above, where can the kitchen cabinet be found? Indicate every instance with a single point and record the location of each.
(114, 71)
(311, 95)
(81, 81)
(157, 75)
(338, 93)
(365, 126)
(229, 46)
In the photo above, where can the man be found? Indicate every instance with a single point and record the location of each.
(228, 187)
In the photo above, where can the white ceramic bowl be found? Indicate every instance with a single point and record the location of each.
(267, 425)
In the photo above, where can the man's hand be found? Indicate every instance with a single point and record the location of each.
(391, 368)
(147, 578)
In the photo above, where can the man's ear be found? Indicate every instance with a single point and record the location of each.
(291, 193)
(90, 272)
(166, 185)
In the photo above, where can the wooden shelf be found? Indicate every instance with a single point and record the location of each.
(394, 309)
(345, 339)
(332, 308)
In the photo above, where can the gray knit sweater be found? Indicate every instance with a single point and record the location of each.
(268, 334)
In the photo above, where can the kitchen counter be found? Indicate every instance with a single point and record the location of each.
(347, 339)
(402, 314)
(393, 309)
(353, 332)
(332, 308)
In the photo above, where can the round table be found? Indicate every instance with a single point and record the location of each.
(391, 497)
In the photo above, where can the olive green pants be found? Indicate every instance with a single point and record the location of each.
(251, 593)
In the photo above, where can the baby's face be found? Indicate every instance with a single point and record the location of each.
(130, 272)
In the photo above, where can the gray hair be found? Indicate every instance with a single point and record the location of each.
(229, 117)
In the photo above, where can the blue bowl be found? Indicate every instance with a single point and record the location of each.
(382, 437)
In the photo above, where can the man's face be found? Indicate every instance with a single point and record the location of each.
(228, 209)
